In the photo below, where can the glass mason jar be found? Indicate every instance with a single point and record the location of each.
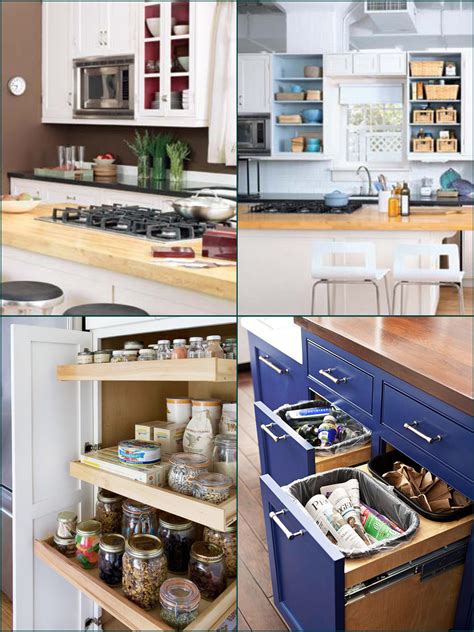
(177, 535)
(85, 357)
(66, 524)
(207, 569)
(143, 168)
(66, 546)
(103, 356)
(179, 351)
(227, 540)
(138, 518)
(130, 355)
(224, 455)
(111, 549)
(213, 487)
(144, 570)
(87, 543)
(163, 351)
(145, 355)
(196, 350)
(179, 600)
(230, 348)
(184, 468)
(108, 511)
(213, 347)
(117, 356)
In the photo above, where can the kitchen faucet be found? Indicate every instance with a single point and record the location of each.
(364, 168)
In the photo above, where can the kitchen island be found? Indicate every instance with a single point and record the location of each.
(275, 256)
(95, 266)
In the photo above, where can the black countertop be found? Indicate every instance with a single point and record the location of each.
(415, 200)
(130, 183)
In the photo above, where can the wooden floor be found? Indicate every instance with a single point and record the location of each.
(7, 613)
(448, 302)
(256, 610)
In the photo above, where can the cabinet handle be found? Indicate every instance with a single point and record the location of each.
(70, 197)
(276, 438)
(274, 367)
(273, 515)
(412, 427)
(334, 380)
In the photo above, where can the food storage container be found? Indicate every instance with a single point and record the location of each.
(228, 424)
(178, 409)
(87, 543)
(227, 540)
(145, 355)
(66, 546)
(178, 535)
(144, 570)
(140, 452)
(213, 347)
(179, 600)
(163, 350)
(212, 487)
(170, 436)
(207, 569)
(103, 356)
(130, 355)
(117, 356)
(224, 455)
(108, 511)
(66, 524)
(85, 357)
(111, 549)
(134, 345)
(230, 348)
(196, 348)
(138, 518)
(179, 351)
(213, 407)
(184, 468)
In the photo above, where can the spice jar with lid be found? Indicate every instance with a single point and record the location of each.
(196, 349)
(111, 549)
(184, 468)
(213, 347)
(230, 348)
(138, 518)
(117, 356)
(146, 355)
(163, 350)
(144, 570)
(227, 540)
(213, 487)
(179, 600)
(87, 543)
(224, 455)
(108, 511)
(66, 524)
(134, 345)
(207, 569)
(178, 535)
(85, 357)
(103, 356)
(130, 355)
(66, 546)
(179, 351)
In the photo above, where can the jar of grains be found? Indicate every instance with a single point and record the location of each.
(163, 350)
(108, 511)
(179, 351)
(66, 546)
(111, 549)
(130, 355)
(224, 455)
(66, 524)
(213, 347)
(146, 354)
(184, 468)
(87, 543)
(207, 569)
(144, 570)
(117, 356)
(177, 535)
(138, 518)
(179, 600)
(212, 487)
(227, 540)
(103, 356)
(196, 349)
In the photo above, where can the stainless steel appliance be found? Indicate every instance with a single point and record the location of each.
(303, 206)
(254, 135)
(104, 87)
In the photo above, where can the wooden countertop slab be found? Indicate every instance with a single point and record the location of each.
(430, 218)
(432, 354)
(117, 253)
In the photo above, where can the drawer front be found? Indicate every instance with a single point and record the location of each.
(341, 376)
(430, 431)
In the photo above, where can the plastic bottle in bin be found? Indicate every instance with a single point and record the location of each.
(328, 431)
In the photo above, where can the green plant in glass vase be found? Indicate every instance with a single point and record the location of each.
(158, 153)
(141, 148)
(178, 152)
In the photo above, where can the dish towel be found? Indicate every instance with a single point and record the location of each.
(222, 129)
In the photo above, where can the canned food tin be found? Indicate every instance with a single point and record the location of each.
(136, 451)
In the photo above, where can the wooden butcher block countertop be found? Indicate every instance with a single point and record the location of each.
(117, 253)
(430, 218)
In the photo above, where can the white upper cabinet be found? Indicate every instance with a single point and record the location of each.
(120, 27)
(366, 64)
(393, 64)
(338, 65)
(254, 84)
(104, 28)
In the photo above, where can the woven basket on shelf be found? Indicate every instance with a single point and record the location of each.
(289, 96)
(314, 95)
(446, 116)
(427, 68)
(447, 145)
(441, 93)
(423, 145)
(297, 144)
(423, 116)
(313, 71)
(288, 119)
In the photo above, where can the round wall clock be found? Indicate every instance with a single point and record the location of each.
(17, 86)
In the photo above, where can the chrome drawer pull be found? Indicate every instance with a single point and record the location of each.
(412, 428)
(274, 516)
(265, 360)
(275, 437)
(335, 380)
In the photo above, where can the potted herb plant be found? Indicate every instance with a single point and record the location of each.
(178, 152)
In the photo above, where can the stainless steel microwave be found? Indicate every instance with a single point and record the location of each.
(104, 87)
(254, 134)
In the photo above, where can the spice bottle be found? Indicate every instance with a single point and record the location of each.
(163, 350)
(179, 351)
(196, 349)
(213, 348)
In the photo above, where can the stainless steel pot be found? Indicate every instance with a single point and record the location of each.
(205, 206)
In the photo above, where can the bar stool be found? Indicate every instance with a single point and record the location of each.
(404, 275)
(334, 275)
(28, 297)
(104, 309)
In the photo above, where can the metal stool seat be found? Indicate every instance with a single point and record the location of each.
(104, 309)
(30, 296)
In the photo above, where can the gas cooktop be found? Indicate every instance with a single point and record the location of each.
(135, 221)
(310, 206)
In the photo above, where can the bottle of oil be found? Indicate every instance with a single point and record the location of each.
(405, 200)
(394, 204)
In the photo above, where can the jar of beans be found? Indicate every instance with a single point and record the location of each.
(144, 570)
(227, 540)
(184, 468)
(207, 569)
(111, 549)
(108, 511)
(212, 487)
(177, 535)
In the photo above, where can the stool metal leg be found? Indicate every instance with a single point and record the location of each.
(394, 297)
(377, 295)
(387, 295)
(402, 306)
(460, 298)
(313, 293)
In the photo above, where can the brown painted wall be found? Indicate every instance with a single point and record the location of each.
(26, 143)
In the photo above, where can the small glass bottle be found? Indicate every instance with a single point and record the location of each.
(163, 350)
(393, 204)
(111, 550)
(179, 351)
(196, 350)
(230, 348)
(117, 356)
(207, 569)
(214, 349)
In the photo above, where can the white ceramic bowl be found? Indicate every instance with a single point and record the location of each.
(181, 29)
(18, 206)
(154, 26)
(104, 161)
(184, 61)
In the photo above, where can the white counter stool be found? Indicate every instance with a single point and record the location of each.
(30, 297)
(104, 309)
(404, 275)
(346, 274)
